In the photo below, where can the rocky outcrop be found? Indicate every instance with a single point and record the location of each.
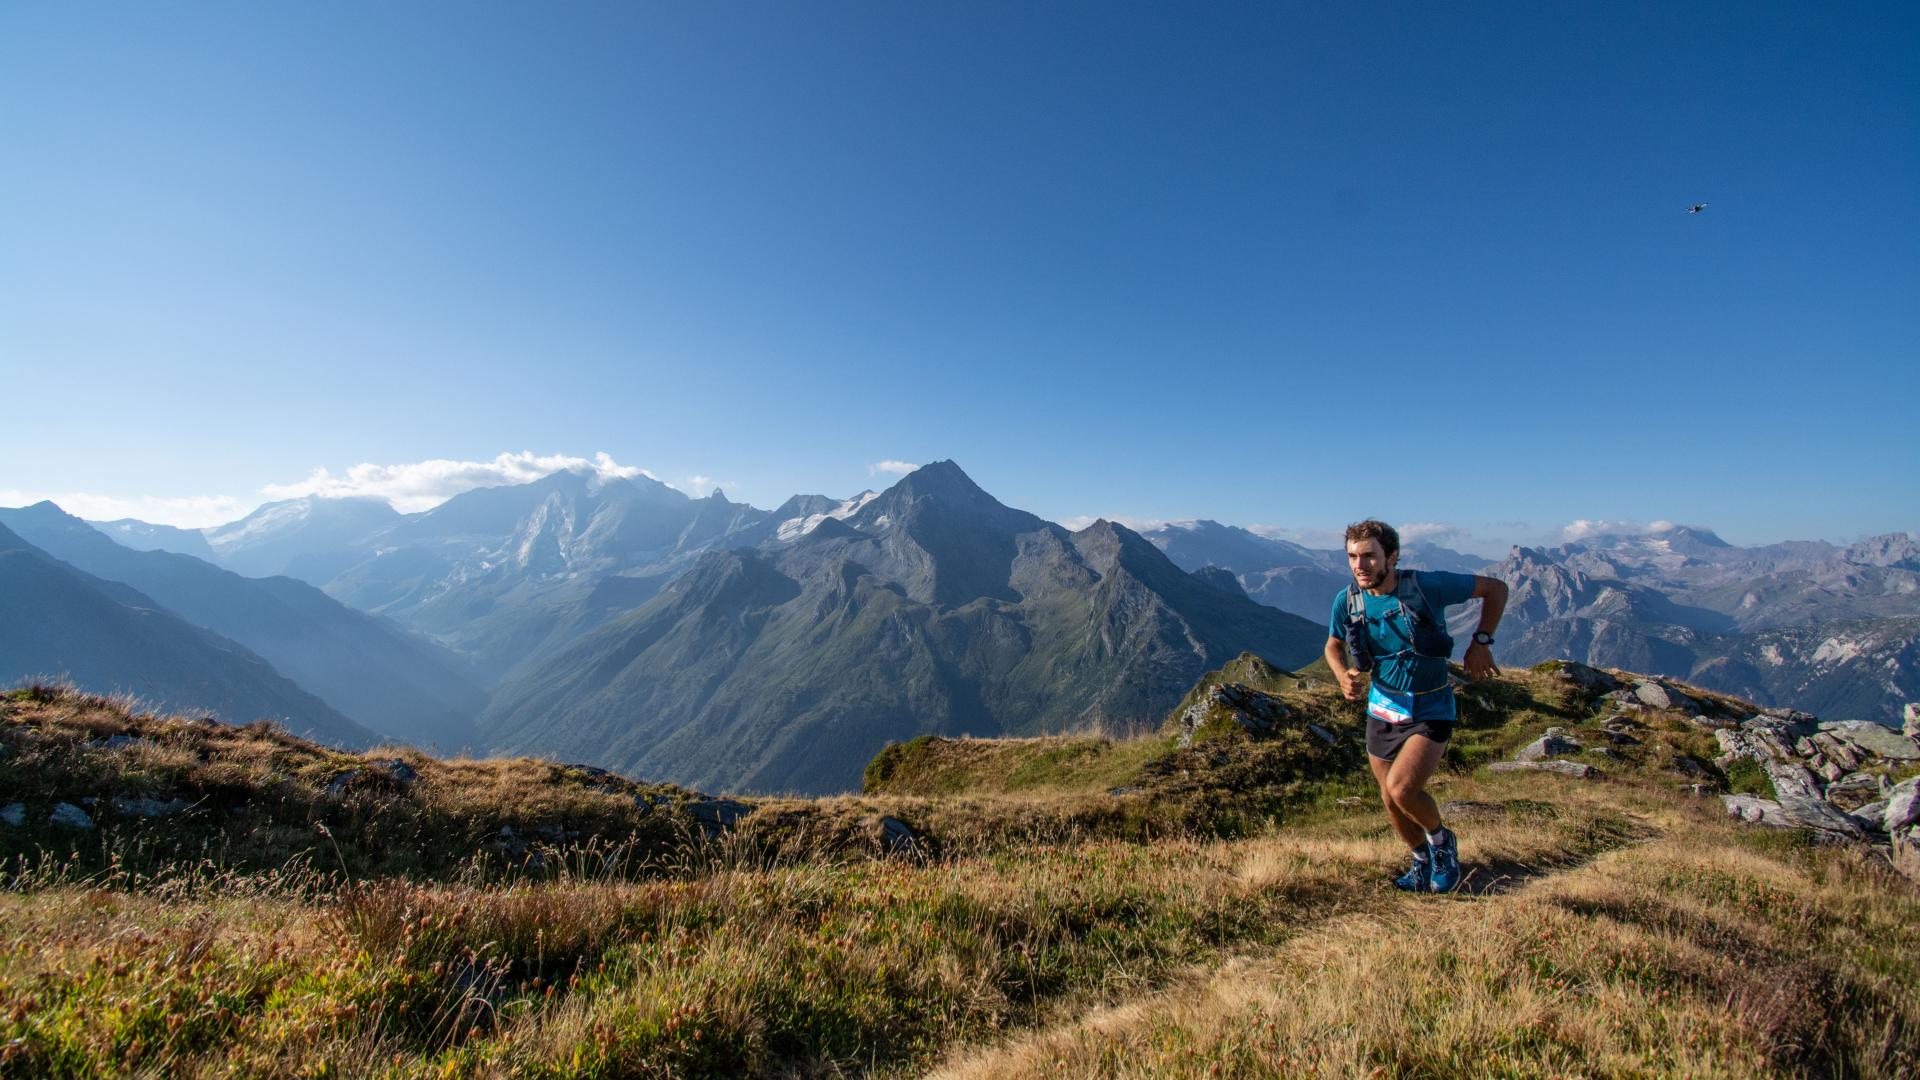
(391, 773)
(1554, 743)
(1254, 711)
(1831, 778)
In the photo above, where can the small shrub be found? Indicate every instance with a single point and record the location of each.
(1746, 777)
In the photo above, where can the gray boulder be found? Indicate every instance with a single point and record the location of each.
(1876, 739)
(70, 816)
(1814, 813)
(1686, 766)
(898, 836)
(1564, 768)
(1735, 745)
(1654, 696)
(392, 772)
(1586, 678)
(1903, 805)
(1657, 695)
(146, 807)
(1910, 720)
(395, 770)
(1856, 790)
(1825, 770)
(116, 742)
(14, 814)
(1791, 779)
(715, 816)
(1755, 810)
(1840, 753)
(1906, 854)
(1550, 745)
(1871, 817)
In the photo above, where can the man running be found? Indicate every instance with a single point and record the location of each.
(1394, 622)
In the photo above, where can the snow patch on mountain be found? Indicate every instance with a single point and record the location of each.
(794, 528)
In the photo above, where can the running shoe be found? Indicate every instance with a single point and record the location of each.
(1446, 862)
(1419, 876)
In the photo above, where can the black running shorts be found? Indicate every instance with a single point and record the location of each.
(1384, 740)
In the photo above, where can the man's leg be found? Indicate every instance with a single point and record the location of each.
(1409, 829)
(1405, 784)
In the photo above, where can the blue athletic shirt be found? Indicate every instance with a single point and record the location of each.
(1388, 632)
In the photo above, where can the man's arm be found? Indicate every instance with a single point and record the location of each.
(1352, 683)
(1492, 594)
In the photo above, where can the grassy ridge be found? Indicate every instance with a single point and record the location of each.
(1231, 915)
(728, 972)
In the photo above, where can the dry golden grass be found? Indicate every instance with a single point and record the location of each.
(1689, 956)
(1612, 928)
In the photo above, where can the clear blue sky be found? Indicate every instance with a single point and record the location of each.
(1285, 264)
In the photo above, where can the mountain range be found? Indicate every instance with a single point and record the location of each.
(1806, 624)
(620, 622)
(930, 609)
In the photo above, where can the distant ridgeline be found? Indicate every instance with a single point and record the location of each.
(1806, 625)
(712, 644)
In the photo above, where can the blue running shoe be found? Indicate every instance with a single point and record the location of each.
(1446, 862)
(1419, 877)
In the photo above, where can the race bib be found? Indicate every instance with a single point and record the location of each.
(1385, 707)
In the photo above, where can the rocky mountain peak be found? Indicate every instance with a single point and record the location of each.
(940, 479)
(1892, 549)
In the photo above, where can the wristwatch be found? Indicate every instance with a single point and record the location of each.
(1481, 637)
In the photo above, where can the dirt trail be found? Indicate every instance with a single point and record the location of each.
(1235, 979)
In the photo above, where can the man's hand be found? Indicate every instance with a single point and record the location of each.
(1479, 662)
(1353, 684)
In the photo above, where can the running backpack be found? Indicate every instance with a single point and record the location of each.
(1430, 637)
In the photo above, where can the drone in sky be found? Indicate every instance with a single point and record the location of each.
(1696, 208)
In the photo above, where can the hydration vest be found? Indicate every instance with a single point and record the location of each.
(1429, 636)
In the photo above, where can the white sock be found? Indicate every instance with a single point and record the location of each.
(1434, 838)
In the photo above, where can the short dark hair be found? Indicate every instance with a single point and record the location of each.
(1375, 530)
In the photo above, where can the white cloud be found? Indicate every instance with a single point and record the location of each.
(1427, 531)
(1583, 528)
(702, 486)
(422, 485)
(187, 512)
(898, 468)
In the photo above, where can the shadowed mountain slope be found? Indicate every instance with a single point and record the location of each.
(400, 685)
(64, 623)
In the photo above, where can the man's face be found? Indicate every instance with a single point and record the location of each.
(1369, 562)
